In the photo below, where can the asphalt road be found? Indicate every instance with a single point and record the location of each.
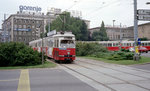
(41, 80)
(143, 66)
(83, 75)
(9, 80)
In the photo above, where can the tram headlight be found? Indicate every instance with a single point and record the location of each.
(61, 55)
(68, 53)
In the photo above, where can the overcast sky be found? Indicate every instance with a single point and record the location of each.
(94, 10)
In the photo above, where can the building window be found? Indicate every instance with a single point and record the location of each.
(24, 21)
(20, 33)
(15, 26)
(37, 22)
(20, 26)
(24, 26)
(33, 26)
(29, 26)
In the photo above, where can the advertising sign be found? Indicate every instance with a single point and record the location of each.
(29, 8)
(19, 29)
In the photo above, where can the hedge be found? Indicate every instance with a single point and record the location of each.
(18, 54)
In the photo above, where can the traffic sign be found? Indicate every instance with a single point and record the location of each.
(144, 17)
(139, 41)
(143, 12)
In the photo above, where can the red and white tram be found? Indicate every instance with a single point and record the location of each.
(115, 45)
(59, 46)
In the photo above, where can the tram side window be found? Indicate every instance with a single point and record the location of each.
(148, 44)
(109, 44)
(50, 43)
(39, 44)
(145, 44)
(114, 44)
(55, 43)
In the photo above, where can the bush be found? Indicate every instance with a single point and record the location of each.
(18, 54)
(85, 49)
(96, 50)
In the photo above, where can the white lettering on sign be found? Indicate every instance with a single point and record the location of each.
(144, 12)
(30, 8)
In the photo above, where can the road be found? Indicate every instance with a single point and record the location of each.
(146, 54)
(83, 75)
(143, 66)
(41, 80)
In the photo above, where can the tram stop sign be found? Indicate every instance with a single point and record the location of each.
(139, 41)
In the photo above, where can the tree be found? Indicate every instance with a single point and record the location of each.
(77, 26)
(103, 34)
(100, 35)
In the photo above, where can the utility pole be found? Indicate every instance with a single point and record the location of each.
(39, 25)
(63, 21)
(49, 25)
(4, 27)
(120, 37)
(136, 55)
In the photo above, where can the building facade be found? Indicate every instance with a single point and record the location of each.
(116, 33)
(144, 31)
(26, 26)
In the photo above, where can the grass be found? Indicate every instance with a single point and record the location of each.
(47, 64)
(122, 62)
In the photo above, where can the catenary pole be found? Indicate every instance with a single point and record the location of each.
(136, 56)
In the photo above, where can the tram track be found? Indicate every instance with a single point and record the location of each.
(64, 66)
(88, 77)
(127, 82)
(119, 70)
(106, 85)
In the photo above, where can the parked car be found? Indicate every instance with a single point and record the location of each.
(141, 49)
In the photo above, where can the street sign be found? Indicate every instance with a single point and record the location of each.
(143, 12)
(144, 17)
(139, 41)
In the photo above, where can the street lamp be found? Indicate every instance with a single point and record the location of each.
(113, 22)
(148, 3)
(63, 21)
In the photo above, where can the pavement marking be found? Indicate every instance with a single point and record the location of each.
(24, 82)
(8, 80)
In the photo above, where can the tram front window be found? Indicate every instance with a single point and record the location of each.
(67, 44)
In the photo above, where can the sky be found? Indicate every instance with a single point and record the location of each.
(95, 11)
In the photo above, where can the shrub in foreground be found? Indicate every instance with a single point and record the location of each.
(18, 54)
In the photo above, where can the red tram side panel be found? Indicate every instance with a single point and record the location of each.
(115, 45)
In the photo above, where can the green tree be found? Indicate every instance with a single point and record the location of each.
(100, 35)
(77, 26)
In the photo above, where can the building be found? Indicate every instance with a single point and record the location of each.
(25, 26)
(116, 33)
(144, 31)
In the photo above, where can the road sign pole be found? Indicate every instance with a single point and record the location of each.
(136, 55)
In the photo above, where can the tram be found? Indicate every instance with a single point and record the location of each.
(60, 46)
(115, 45)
